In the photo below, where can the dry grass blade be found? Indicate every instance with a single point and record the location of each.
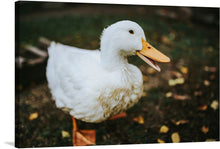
(44, 41)
(36, 50)
(180, 122)
(35, 61)
(181, 97)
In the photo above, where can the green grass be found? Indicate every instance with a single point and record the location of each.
(84, 31)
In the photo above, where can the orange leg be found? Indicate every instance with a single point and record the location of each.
(123, 114)
(82, 137)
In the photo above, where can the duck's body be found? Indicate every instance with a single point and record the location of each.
(92, 93)
(94, 85)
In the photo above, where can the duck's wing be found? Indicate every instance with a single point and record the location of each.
(69, 70)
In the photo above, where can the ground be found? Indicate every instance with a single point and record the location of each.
(179, 104)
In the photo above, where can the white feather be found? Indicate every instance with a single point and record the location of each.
(95, 84)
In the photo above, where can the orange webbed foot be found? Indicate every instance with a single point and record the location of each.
(83, 137)
(121, 115)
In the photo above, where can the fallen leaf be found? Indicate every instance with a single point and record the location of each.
(139, 119)
(145, 78)
(210, 49)
(206, 68)
(169, 94)
(144, 94)
(212, 77)
(181, 97)
(181, 122)
(166, 40)
(173, 82)
(197, 93)
(164, 129)
(205, 129)
(167, 14)
(145, 109)
(214, 104)
(175, 137)
(210, 69)
(33, 116)
(203, 107)
(210, 140)
(198, 86)
(180, 80)
(184, 70)
(160, 141)
(176, 74)
(206, 83)
(65, 134)
(150, 70)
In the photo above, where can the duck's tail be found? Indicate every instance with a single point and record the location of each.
(51, 48)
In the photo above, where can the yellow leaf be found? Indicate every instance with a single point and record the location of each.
(214, 104)
(203, 108)
(160, 141)
(33, 116)
(139, 119)
(169, 94)
(150, 70)
(65, 134)
(164, 129)
(179, 80)
(145, 78)
(206, 68)
(205, 129)
(144, 94)
(206, 83)
(181, 122)
(172, 82)
(184, 70)
(175, 137)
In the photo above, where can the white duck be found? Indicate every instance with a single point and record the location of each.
(97, 84)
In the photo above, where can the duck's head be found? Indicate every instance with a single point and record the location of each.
(126, 38)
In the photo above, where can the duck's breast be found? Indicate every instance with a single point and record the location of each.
(123, 93)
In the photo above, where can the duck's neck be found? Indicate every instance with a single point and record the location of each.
(113, 61)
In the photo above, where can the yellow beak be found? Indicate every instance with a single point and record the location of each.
(149, 54)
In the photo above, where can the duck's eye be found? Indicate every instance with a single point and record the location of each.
(131, 31)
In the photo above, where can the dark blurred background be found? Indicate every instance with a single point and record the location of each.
(183, 97)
